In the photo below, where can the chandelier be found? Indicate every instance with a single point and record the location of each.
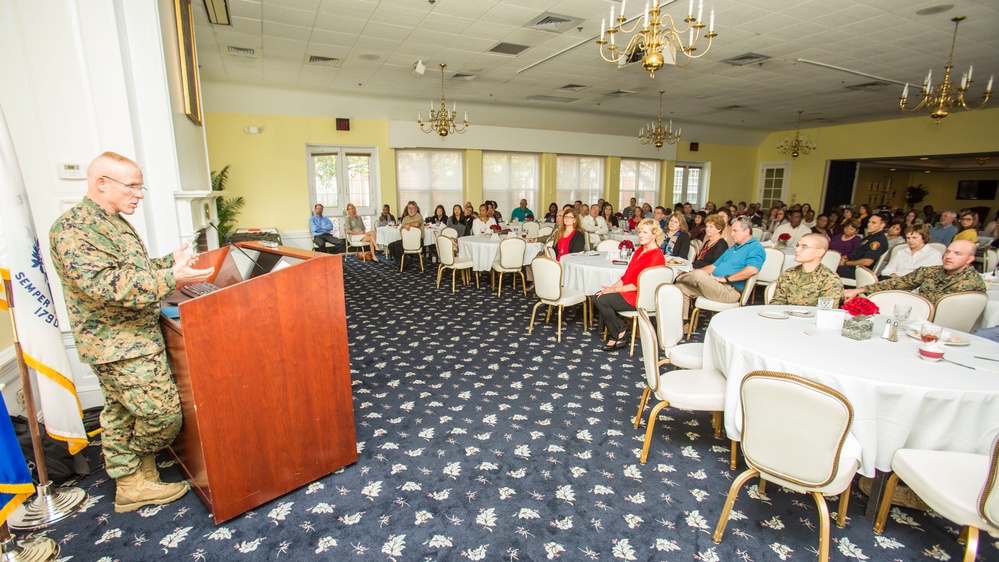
(442, 122)
(939, 99)
(657, 135)
(796, 147)
(658, 34)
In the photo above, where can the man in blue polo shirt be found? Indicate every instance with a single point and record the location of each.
(724, 280)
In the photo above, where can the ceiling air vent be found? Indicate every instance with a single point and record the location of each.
(621, 93)
(328, 62)
(573, 87)
(242, 52)
(733, 108)
(465, 77)
(509, 49)
(748, 58)
(869, 86)
(556, 99)
(553, 23)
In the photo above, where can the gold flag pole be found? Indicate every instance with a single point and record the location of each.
(47, 506)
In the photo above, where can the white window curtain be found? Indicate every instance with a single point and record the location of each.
(508, 177)
(579, 177)
(430, 178)
(639, 179)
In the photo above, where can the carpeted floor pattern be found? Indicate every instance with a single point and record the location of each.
(479, 441)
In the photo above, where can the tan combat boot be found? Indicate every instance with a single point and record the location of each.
(147, 465)
(135, 491)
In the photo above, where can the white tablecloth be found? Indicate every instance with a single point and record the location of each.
(990, 316)
(589, 273)
(385, 235)
(621, 235)
(899, 400)
(483, 250)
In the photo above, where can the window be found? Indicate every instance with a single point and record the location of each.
(341, 175)
(639, 179)
(687, 185)
(429, 177)
(579, 177)
(509, 177)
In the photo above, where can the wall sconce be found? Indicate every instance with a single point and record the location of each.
(253, 130)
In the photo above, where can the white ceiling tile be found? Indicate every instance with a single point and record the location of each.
(286, 31)
(288, 16)
(245, 9)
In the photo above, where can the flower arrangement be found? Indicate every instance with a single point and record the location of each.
(495, 227)
(626, 245)
(859, 306)
(619, 215)
(529, 217)
(783, 240)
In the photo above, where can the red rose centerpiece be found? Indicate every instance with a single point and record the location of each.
(626, 247)
(859, 326)
(783, 240)
(495, 227)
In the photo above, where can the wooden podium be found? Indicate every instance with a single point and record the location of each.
(264, 377)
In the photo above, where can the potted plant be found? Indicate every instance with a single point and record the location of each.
(914, 195)
(228, 209)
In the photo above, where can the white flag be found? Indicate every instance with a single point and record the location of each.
(34, 314)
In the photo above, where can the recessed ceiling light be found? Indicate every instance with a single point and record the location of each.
(926, 171)
(891, 169)
(939, 8)
(924, 158)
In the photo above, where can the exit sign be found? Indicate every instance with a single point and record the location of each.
(342, 124)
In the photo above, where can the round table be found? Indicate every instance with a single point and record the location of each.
(484, 249)
(622, 235)
(385, 235)
(899, 400)
(589, 271)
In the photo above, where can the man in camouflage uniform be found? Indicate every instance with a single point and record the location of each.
(803, 284)
(113, 292)
(936, 282)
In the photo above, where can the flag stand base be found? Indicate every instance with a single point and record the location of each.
(41, 549)
(46, 508)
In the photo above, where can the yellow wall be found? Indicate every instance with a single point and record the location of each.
(269, 169)
(960, 133)
(733, 171)
(6, 336)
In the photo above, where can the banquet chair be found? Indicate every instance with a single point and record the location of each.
(354, 241)
(691, 253)
(772, 267)
(548, 287)
(531, 229)
(991, 261)
(696, 245)
(669, 330)
(960, 311)
(704, 303)
(883, 261)
(831, 260)
(446, 250)
(959, 486)
(796, 433)
(545, 231)
(768, 293)
(607, 245)
(510, 260)
(938, 246)
(922, 309)
(449, 231)
(412, 243)
(864, 276)
(648, 281)
(757, 233)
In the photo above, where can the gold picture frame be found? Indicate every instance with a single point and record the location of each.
(188, 61)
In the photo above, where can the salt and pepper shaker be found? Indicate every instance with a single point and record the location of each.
(890, 332)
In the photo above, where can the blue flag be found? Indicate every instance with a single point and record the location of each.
(15, 478)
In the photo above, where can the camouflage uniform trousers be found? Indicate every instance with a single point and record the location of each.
(141, 413)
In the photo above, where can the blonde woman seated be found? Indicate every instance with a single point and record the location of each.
(355, 229)
(623, 295)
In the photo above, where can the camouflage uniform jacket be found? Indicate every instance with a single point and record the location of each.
(933, 283)
(798, 287)
(112, 288)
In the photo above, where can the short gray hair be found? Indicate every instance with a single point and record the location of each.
(743, 221)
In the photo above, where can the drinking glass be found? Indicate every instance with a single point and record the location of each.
(902, 312)
(826, 303)
(930, 333)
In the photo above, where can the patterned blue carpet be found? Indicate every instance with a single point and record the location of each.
(478, 441)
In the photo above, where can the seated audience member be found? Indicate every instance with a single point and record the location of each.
(863, 213)
(709, 207)
(808, 218)
(777, 218)
(945, 231)
(955, 275)
(484, 223)
(636, 217)
(894, 234)
(696, 231)
(623, 294)
(647, 210)
(793, 227)
(725, 279)
(660, 215)
(714, 245)
(969, 227)
(552, 211)
(321, 228)
(494, 212)
(912, 218)
(866, 254)
(594, 225)
(413, 219)
(439, 216)
(727, 233)
(917, 254)
(386, 218)
(847, 240)
(355, 227)
(929, 216)
(570, 238)
(676, 241)
(802, 285)
(990, 230)
(822, 226)
(608, 214)
(457, 220)
(522, 213)
(630, 209)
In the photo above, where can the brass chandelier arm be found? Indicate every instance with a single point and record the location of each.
(443, 121)
(796, 147)
(658, 135)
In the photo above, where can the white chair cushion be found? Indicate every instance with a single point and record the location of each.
(687, 356)
(696, 389)
(462, 262)
(947, 481)
(569, 297)
(714, 306)
(849, 462)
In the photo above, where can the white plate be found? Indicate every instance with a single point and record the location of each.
(801, 313)
(951, 339)
(773, 315)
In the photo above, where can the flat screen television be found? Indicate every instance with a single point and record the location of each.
(977, 189)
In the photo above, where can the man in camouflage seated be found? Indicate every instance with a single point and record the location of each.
(803, 284)
(936, 282)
